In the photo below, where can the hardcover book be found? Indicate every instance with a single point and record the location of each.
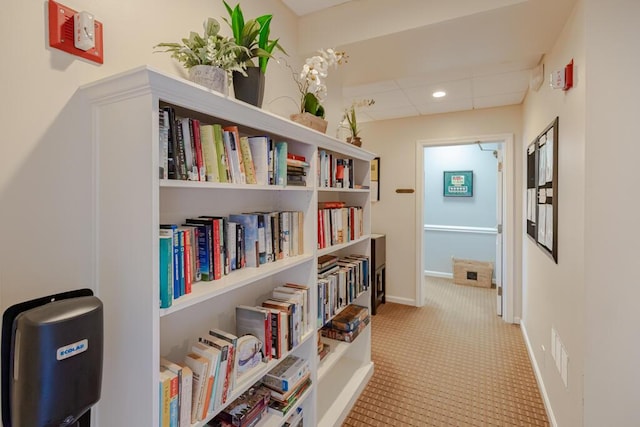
(250, 225)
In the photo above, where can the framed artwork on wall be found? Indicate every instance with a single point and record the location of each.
(375, 179)
(458, 184)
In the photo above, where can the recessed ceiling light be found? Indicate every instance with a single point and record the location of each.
(439, 94)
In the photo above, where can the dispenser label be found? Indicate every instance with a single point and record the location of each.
(72, 349)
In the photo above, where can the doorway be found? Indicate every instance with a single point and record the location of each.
(501, 232)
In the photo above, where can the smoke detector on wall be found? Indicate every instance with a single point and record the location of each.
(537, 77)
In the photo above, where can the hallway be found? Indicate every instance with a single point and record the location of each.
(467, 367)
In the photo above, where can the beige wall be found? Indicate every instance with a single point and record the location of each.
(554, 293)
(45, 179)
(395, 214)
(612, 252)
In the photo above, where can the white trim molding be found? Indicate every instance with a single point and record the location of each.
(461, 229)
(441, 274)
(400, 300)
(538, 374)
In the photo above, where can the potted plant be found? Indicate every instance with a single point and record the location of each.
(313, 89)
(253, 35)
(350, 121)
(210, 59)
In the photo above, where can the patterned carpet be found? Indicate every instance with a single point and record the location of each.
(452, 362)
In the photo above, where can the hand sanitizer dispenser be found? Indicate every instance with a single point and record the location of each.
(52, 352)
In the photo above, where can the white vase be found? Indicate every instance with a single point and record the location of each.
(214, 78)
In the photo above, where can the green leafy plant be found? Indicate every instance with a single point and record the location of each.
(349, 118)
(253, 35)
(209, 49)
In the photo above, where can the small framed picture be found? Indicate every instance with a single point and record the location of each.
(375, 179)
(458, 184)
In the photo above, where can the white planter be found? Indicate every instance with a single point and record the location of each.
(211, 77)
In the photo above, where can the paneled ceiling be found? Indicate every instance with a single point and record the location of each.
(480, 52)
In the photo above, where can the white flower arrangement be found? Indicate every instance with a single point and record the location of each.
(311, 80)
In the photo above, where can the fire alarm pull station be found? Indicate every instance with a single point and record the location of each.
(562, 79)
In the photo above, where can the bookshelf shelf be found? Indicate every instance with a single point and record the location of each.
(131, 202)
(338, 350)
(203, 291)
(173, 183)
(335, 248)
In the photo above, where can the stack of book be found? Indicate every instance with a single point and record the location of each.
(338, 223)
(296, 169)
(286, 383)
(246, 411)
(347, 324)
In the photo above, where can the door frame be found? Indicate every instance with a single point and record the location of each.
(508, 212)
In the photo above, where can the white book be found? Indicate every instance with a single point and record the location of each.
(213, 357)
(199, 365)
(189, 151)
(259, 146)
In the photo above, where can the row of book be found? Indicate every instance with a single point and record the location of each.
(278, 393)
(340, 281)
(202, 382)
(334, 171)
(195, 151)
(347, 324)
(338, 223)
(209, 247)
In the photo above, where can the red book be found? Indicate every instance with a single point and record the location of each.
(202, 170)
(331, 205)
(296, 157)
(320, 229)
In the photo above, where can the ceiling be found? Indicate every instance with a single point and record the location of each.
(480, 52)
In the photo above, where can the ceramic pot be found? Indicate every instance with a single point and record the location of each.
(214, 78)
(355, 140)
(249, 89)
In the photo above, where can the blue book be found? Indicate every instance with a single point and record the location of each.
(176, 258)
(250, 225)
(181, 266)
(166, 268)
(280, 163)
(205, 246)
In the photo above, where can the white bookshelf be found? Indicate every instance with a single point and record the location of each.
(131, 201)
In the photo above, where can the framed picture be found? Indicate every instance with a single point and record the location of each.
(458, 184)
(375, 179)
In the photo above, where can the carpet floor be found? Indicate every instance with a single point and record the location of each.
(452, 362)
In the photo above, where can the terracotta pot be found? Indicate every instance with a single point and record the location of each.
(355, 140)
(310, 121)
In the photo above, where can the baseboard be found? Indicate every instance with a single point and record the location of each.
(538, 374)
(438, 274)
(400, 300)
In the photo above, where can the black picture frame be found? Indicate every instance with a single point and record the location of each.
(542, 190)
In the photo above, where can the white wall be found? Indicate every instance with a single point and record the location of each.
(395, 214)
(554, 294)
(45, 179)
(612, 291)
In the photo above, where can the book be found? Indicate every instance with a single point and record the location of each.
(213, 358)
(163, 137)
(288, 308)
(339, 335)
(231, 146)
(236, 153)
(249, 223)
(209, 153)
(165, 398)
(259, 146)
(220, 243)
(186, 253)
(177, 262)
(205, 246)
(180, 154)
(166, 268)
(194, 126)
(286, 374)
(288, 396)
(282, 409)
(349, 319)
(280, 163)
(233, 340)
(248, 407)
(247, 160)
(189, 150)
(248, 355)
(222, 157)
(172, 141)
(199, 365)
(184, 379)
(222, 386)
(255, 321)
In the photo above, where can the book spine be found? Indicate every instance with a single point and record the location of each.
(247, 160)
(217, 254)
(181, 156)
(187, 137)
(200, 167)
(166, 271)
(209, 153)
(164, 143)
(221, 158)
